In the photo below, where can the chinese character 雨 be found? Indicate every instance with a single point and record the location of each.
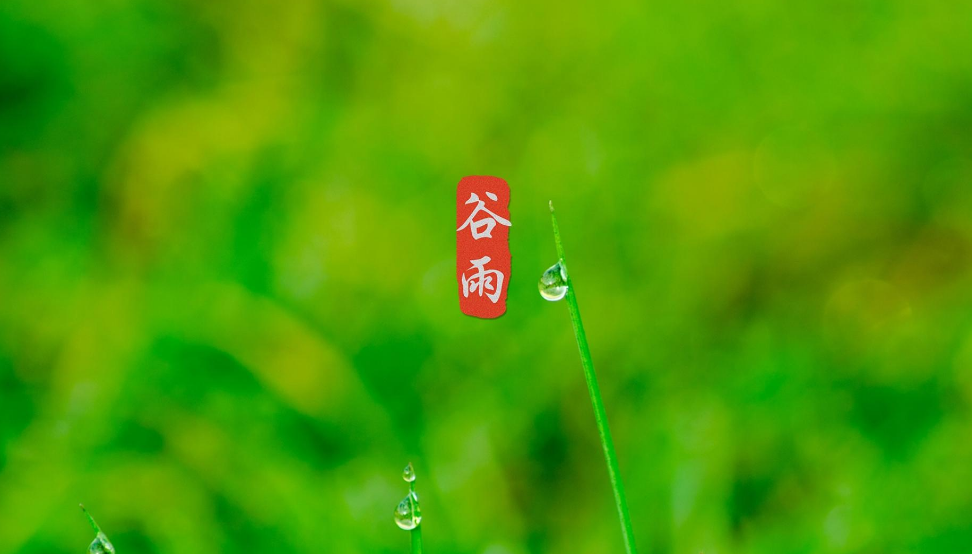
(482, 280)
(484, 226)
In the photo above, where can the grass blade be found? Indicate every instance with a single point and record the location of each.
(417, 532)
(600, 417)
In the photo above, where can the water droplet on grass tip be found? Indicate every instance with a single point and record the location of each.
(553, 283)
(408, 515)
(409, 473)
(101, 545)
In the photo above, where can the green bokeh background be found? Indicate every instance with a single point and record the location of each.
(228, 311)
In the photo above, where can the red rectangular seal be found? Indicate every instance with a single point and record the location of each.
(483, 245)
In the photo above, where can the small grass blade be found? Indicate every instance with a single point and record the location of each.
(94, 525)
(100, 544)
(416, 539)
(417, 532)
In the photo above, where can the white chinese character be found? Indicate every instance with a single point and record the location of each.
(488, 222)
(482, 280)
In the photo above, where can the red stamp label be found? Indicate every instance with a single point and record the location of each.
(483, 245)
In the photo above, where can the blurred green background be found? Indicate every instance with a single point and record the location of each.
(228, 311)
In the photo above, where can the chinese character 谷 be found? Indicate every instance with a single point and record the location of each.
(484, 226)
(482, 280)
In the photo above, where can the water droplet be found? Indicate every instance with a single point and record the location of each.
(553, 283)
(408, 515)
(101, 545)
(409, 473)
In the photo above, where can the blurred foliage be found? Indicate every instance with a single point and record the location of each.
(228, 309)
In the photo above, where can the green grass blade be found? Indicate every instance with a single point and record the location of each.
(416, 533)
(417, 539)
(600, 417)
(91, 520)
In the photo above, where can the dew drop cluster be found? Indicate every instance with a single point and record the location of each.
(408, 514)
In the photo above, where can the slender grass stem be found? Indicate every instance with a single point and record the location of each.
(417, 540)
(600, 417)
(416, 533)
